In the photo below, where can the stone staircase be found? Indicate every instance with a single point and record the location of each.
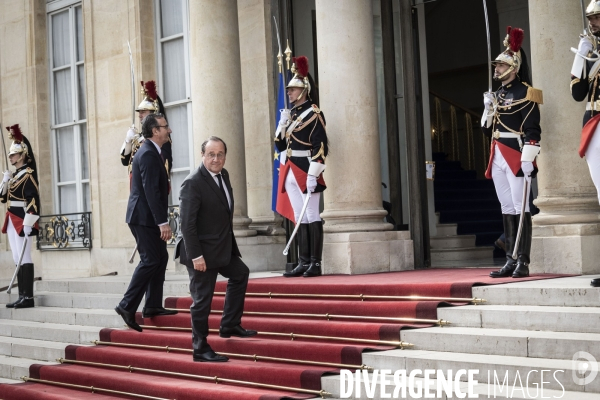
(526, 326)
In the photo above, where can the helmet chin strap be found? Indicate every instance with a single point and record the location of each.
(505, 74)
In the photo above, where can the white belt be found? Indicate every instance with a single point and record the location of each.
(590, 105)
(299, 153)
(12, 203)
(508, 135)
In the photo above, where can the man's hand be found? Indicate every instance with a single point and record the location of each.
(311, 183)
(284, 116)
(199, 264)
(27, 230)
(489, 100)
(585, 46)
(165, 232)
(130, 135)
(7, 176)
(527, 167)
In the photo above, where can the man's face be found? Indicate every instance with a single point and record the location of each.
(594, 23)
(161, 132)
(15, 159)
(143, 114)
(500, 69)
(294, 94)
(214, 156)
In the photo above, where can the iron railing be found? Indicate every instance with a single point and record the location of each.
(174, 223)
(65, 232)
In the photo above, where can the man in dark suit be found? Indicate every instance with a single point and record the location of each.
(207, 247)
(148, 220)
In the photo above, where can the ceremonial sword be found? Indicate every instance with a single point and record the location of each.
(5, 157)
(526, 190)
(132, 120)
(489, 46)
(280, 63)
(287, 247)
(18, 265)
(585, 21)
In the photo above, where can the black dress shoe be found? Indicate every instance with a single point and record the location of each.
(129, 318)
(522, 271)
(27, 302)
(20, 299)
(209, 356)
(153, 312)
(593, 283)
(313, 270)
(505, 271)
(235, 331)
(298, 271)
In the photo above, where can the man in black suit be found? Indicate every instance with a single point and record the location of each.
(207, 247)
(148, 220)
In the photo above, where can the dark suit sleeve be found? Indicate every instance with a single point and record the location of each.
(579, 88)
(189, 204)
(150, 170)
(531, 122)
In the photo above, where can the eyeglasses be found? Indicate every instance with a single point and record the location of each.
(218, 156)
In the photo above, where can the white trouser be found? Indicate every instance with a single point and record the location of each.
(16, 244)
(509, 188)
(592, 156)
(297, 199)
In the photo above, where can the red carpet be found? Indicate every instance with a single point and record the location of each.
(161, 383)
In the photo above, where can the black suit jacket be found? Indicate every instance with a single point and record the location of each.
(206, 221)
(149, 199)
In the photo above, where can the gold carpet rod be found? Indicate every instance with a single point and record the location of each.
(329, 317)
(254, 357)
(293, 336)
(93, 389)
(363, 297)
(214, 379)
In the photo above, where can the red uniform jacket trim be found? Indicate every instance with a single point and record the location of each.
(512, 157)
(587, 133)
(284, 206)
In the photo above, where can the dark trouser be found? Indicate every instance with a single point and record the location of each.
(149, 276)
(202, 288)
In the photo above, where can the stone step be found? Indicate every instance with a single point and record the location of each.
(15, 367)
(538, 318)
(69, 316)
(10, 381)
(570, 292)
(331, 383)
(504, 342)
(452, 242)
(77, 334)
(176, 285)
(446, 229)
(558, 374)
(462, 254)
(43, 350)
(79, 300)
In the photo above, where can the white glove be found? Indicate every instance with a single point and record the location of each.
(585, 46)
(27, 230)
(311, 183)
(284, 116)
(527, 167)
(489, 100)
(130, 135)
(7, 176)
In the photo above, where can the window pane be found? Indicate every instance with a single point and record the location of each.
(68, 199)
(62, 97)
(85, 170)
(176, 181)
(81, 93)
(65, 149)
(61, 53)
(172, 17)
(178, 122)
(79, 38)
(85, 191)
(173, 70)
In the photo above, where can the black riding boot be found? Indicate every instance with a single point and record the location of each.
(20, 286)
(523, 260)
(316, 249)
(303, 237)
(510, 232)
(27, 301)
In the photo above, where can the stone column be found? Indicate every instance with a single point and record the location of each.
(215, 76)
(567, 230)
(353, 202)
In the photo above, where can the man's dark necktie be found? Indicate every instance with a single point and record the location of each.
(222, 188)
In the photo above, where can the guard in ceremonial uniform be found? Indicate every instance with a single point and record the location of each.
(20, 192)
(585, 84)
(150, 105)
(512, 118)
(302, 140)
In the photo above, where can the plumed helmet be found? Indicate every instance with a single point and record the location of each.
(512, 55)
(300, 71)
(593, 8)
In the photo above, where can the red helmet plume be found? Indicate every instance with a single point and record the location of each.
(301, 65)
(150, 89)
(515, 40)
(15, 133)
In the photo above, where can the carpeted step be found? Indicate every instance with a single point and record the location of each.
(504, 342)
(465, 195)
(39, 391)
(487, 238)
(446, 165)
(458, 174)
(474, 227)
(443, 205)
(458, 184)
(468, 215)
